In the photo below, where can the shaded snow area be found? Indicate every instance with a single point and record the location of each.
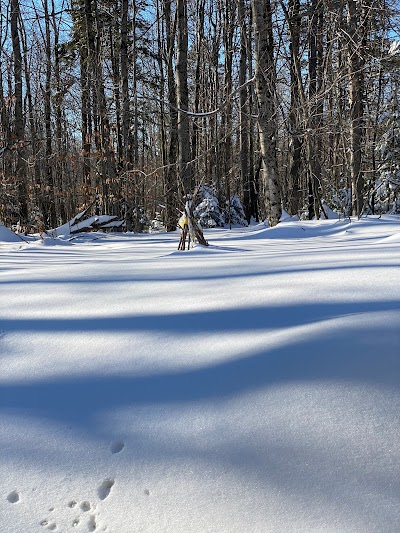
(6, 235)
(249, 387)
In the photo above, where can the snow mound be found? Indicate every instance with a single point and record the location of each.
(285, 217)
(6, 235)
(330, 214)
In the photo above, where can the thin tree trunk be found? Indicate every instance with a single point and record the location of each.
(295, 113)
(229, 13)
(244, 112)
(356, 97)
(18, 133)
(59, 182)
(182, 91)
(170, 185)
(49, 160)
(313, 126)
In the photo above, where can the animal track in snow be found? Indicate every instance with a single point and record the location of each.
(52, 526)
(85, 506)
(117, 446)
(75, 522)
(13, 497)
(105, 488)
(92, 523)
(72, 504)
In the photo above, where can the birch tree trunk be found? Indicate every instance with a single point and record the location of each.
(265, 94)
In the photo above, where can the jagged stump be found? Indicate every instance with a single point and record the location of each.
(190, 230)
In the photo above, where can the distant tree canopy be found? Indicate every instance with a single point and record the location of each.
(131, 105)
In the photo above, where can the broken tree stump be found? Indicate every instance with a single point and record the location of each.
(190, 230)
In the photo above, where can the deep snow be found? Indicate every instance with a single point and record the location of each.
(252, 386)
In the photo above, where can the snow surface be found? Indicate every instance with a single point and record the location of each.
(251, 386)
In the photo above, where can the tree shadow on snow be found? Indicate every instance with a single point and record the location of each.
(351, 354)
(316, 474)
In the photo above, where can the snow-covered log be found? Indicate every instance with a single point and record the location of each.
(80, 224)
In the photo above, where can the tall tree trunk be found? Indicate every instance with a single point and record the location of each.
(105, 171)
(126, 111)
(35, 147)
(214, 138)
(197, 83)
(229, 13)
(182, 91)
(48, 204)
(18, 130)
(355, 24)
(265, 93)
(59, 184)
(244, 112)
(295, 114)
(314, 122)
(116, 55)
(170, 185)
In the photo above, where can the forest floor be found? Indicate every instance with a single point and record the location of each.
(252, 386)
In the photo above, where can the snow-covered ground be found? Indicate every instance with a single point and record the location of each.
(252, 386)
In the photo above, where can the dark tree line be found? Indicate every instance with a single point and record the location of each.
(129, 105)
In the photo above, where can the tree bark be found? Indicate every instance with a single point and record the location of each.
(355, 24)
(18, 133)
(296, 128)
(182, 91)
(170, 184)
(265, 93)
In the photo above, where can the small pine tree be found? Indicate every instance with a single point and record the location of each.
(237, 216)
(207, 211)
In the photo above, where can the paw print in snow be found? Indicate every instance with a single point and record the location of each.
(117, 446)
(13, 497)
(105, 488)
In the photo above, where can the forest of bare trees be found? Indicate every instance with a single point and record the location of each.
(128, 106)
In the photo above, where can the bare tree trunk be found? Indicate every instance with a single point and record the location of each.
(265, 93)
(314, 122)
(185, 170)
(229, 14)
(48, 203)
(197, 83)
(59, 184)
(117, 55)
(106, 172)
(355, 24)
(18, 133)
(126, 111)
(244, 112)
(39, 197)
(170, 185)
(295, 113)
(214, 142)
